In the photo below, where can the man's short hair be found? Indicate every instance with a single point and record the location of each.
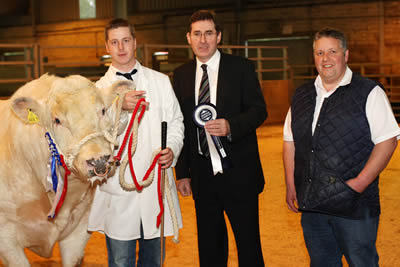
(332, 33)
(116, 23)
(204, 15)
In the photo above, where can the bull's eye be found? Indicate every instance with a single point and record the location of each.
(103, 111)
(57, 121)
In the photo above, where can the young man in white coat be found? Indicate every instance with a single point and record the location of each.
(130, 216)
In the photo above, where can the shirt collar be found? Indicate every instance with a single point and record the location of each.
(114, 69)
(212, 63)
(345, 81)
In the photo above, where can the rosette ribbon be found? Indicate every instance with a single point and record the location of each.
(59, 185)
(204, 113)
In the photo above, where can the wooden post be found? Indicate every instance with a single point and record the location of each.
(259, 63)
(284, 63)
(28, 67)
(36, 61)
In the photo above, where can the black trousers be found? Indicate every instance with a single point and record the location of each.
(242, 212)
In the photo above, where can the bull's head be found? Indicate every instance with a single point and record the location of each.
(76, 113)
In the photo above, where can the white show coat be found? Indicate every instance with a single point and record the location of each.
(117, 212)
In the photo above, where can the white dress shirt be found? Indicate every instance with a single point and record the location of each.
(212, 71)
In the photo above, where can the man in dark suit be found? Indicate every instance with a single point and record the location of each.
(230, 84)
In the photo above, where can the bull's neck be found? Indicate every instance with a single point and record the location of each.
(79, 197)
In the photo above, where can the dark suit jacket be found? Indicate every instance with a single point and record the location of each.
(240, 101)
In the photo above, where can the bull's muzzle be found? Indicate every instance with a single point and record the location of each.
(101, 166)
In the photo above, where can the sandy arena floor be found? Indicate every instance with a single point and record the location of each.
(281, 234)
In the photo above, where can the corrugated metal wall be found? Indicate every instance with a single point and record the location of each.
(104, 9)
(156, 5)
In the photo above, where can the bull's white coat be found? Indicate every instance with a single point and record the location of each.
(24, 202)
(118, 213)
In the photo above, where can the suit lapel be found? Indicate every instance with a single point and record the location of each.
(190, 92)
(223, 76)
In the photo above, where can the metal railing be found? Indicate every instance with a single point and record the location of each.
(271, 63)
(29, 62)
(387, 74)
(73, 59)
(384, 73)
(254, 53)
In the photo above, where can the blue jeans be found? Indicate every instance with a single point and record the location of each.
(123, 253)
(329, 237)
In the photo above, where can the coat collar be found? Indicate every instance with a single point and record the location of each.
(223, 77)
(141, 80)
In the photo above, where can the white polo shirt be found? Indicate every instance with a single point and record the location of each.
(379, 113)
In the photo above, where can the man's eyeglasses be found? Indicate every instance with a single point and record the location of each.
(198, 35)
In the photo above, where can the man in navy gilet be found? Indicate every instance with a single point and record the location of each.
(339, 134)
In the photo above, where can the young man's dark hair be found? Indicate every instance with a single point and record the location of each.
(204, 15)
(116, 23)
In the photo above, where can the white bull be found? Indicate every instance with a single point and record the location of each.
(71, 109)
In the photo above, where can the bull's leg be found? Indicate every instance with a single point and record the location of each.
(11, 252)
(72, 248)
(13, 256)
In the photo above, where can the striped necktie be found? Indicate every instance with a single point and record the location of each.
(127, 75)
(204, 97)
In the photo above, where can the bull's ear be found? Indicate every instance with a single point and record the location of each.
(27, 109)
(117, 89)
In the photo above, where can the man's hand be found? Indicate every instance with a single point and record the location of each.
(218, 127)
(288, 152)
(184, 187)
(166, 158)
(355, 185)
(131, 99)
(291, 199)
(378, 160)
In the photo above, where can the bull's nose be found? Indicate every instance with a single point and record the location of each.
(100, 165)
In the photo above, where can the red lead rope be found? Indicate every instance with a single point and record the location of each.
(118, 156)
(160, 196)
(146, 176)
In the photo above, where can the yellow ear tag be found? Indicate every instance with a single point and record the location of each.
(115, 99)
(32, 117)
